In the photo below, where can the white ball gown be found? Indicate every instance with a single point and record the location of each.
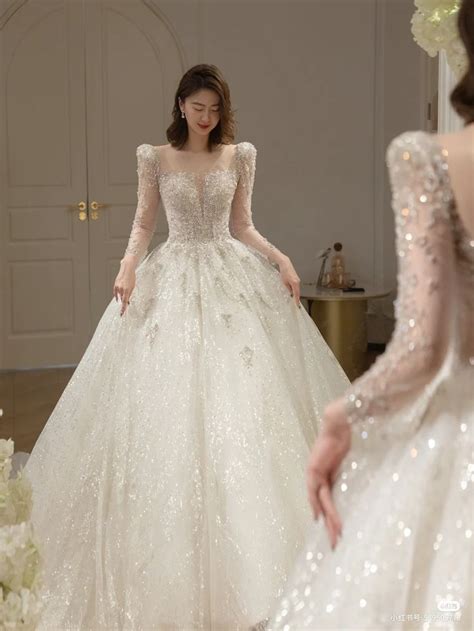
(405, 490)
(169, 481)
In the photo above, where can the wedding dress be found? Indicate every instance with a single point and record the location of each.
(168, 483)
(405, 490)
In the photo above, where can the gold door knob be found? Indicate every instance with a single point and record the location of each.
(82, 208)
(95, 207)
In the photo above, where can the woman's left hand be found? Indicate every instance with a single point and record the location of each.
(290, 279)
(329, 450)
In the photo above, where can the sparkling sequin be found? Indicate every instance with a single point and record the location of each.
(412, 473)
(152, 331)
(167, 484)
(227, 317)
(247, 355)
(424, 234)
(147, 201)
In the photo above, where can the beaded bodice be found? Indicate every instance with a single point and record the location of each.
(205, 199)
(435, 282)
(198, 205)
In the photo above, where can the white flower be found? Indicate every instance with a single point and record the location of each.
(20, 563)
(6, 448)
(21, 497)
(30, 604)
(432, 5)
(6, 451)
(13, 602)
(19, 611)
(434, 27)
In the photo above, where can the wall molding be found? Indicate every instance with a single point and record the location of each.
(10, 11)
(379, 144)
(159, 13)
(380, 312)
(448, 120)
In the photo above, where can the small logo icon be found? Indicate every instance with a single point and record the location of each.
(449, 605)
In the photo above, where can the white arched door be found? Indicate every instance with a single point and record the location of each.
(84, 83)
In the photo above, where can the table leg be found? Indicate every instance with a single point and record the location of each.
(343, 324)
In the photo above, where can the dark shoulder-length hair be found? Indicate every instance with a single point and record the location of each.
(462, 97)
(209, 77)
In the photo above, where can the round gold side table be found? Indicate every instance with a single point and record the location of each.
(341, 318)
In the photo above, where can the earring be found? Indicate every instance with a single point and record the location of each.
(182, 114)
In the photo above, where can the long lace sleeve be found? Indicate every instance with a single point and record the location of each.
(148, 198)
(421, 202)
(241, 223)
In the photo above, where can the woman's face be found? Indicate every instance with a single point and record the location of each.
(202, 111)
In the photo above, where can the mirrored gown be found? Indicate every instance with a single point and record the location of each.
(405, 490)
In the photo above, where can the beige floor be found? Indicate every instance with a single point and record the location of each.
(28, 398)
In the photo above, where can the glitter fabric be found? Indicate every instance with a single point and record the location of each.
(405, 490)
(169, 481)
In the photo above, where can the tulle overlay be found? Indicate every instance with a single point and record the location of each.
(405, 491)
(406, 502)
(169, 482)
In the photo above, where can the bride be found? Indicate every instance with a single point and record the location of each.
(392, 466)
(168, 480)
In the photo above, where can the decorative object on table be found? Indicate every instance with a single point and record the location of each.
(20, 562)
(324, 254)
(337, 277)
(338, 267)
(434, 27)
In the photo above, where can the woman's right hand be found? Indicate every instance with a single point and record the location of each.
(124, 284)
(329, 450)
(290, 279)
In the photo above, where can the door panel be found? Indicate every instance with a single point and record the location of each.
(130, 90)
(44, 245)
(82, 83)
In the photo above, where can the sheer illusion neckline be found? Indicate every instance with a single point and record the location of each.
(197, 173)
(198, 180)
(217, 169)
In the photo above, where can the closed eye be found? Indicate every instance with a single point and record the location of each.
(199, 108)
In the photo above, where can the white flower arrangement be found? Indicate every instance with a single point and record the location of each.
(434, 27)
(20, 562)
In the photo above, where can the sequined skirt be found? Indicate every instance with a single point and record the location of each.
(169, 481)
(407, 502)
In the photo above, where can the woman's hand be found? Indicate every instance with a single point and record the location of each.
(329, 450)
(124, 283)
(290, 279)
